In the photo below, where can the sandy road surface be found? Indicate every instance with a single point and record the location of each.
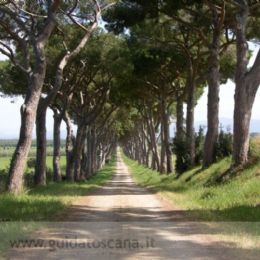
(124, 221)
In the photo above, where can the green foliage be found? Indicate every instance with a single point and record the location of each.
(181, 150)
(223, 147)
(12, 81)
(31, 162)
(228, 64)
(199, 145)
(127, 13)
(254, 149)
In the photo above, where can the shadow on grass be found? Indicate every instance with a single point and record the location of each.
(238, 213)
(45, 203)
(231, 173)
(76, 188)
(194, 174)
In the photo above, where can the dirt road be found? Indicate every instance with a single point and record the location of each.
(124, 221)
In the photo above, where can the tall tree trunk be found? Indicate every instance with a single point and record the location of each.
(89, 154)
(179, 120)
(190, 132)
(40, 167)
(28, 109)
(151, 130)
(242, 117)
(213, 91)
(180, 141)
(42, 108)
(79, 144)
(163, 166)
(83, 162)
(138, 148)
(69, 148)
(28, 115)
(247, 84)
(168, 151)
(148, 154)
(94, 150)
(56, 146)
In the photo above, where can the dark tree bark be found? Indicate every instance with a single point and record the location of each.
(89, 154)
(83, 162)
(190, 132)
(40, 167)
(28, 114)
(163, 166)
(56, 145)
(151, 131)
(46, 102)
(77, 151)
(247, 84)
(213, 88)
(70, 140)
(167, 142)
(179, 119)
(148, 154)
(94, 150)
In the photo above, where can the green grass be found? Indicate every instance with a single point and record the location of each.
(7, 148)
(202, 196)
(231, 208)
(4, 162)
(29, 171)
(62, 163)
(43, 204)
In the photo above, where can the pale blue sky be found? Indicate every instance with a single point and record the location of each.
(10, 112)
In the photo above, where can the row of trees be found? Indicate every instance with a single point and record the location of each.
(54, 63)
(128, 85)
(183, 46)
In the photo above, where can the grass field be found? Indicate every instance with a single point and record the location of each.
(43, 204)
(5, 162)
(7, 148)
(29, 171)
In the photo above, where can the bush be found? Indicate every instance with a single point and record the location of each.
(199, 145)
(31, 163)
(180, 149)
(254, 149)
(29, 179)
(49, 174)
(223, 147)
(3, 180)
